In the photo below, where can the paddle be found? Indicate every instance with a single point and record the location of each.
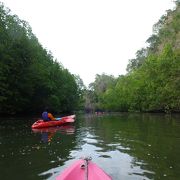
(66, 119)
(69, 120)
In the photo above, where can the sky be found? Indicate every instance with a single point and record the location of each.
(90, 37)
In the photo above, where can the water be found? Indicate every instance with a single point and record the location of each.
(126, 146)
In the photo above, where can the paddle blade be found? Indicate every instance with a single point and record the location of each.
(69, 120)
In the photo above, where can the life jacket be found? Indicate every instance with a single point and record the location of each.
(45, 116)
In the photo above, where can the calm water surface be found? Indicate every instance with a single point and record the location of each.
(126, 146)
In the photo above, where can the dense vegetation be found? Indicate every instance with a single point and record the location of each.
(30, 78)
(153, 79)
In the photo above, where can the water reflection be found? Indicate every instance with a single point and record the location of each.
(48, 133)
(113, 157)
(126, 146)
(130, 146)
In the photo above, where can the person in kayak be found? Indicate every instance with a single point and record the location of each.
(46, 116)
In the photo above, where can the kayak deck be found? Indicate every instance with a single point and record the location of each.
(83, 170)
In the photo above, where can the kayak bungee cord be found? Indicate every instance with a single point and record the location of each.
(85, 166)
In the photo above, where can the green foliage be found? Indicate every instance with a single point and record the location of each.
(153, 79)
(80, 92)
(95, 99)
(30, 78)
(136, 63)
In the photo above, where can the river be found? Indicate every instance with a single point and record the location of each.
(126, 146)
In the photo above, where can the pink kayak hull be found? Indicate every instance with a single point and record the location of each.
(75, 172)
(64, 120)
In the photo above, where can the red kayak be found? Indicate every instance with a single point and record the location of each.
(67, 129)
(83, 169)
(60, 121)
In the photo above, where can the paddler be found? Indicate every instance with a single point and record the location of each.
(46, 116)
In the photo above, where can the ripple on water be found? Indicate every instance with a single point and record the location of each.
(105, 156)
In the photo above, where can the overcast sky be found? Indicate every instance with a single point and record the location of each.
(90, 37)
